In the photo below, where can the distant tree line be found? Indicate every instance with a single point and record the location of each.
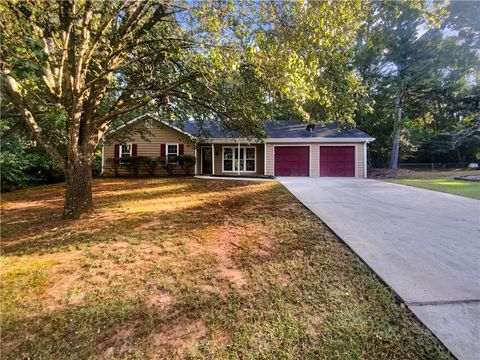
(422, 73)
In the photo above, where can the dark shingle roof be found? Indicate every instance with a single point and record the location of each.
(208, 129)
(274, 130)
(290, 129)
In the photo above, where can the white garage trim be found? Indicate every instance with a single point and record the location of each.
(317, 140)
(365, 163)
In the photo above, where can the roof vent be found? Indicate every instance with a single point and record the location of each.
(310, 128)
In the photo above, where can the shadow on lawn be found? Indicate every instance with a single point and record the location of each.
(169, 207)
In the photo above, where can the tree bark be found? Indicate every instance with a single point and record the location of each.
(78, 192)
(397, 130)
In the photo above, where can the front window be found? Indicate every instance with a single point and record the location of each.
(235, 159)
(125, 150)
(172, 153)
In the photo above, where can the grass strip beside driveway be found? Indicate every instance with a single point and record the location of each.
(445, 184)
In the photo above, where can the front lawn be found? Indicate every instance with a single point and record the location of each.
(445, 184)
(188, 268)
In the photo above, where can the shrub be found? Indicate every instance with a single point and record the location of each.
(135, 163)
(169, 167)
(187, 163)
(150, 163)
(23, 164)
(114, 163)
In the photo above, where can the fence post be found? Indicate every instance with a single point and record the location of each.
(444, 167)
(432, 166)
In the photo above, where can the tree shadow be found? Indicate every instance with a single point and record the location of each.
(178, 207)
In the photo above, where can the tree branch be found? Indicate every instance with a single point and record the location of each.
(19, 103)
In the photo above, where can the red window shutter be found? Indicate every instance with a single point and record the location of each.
(163, 151)
(134, 149)
(116, 152)
(180, 149)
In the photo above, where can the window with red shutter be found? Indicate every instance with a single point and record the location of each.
(180, 149)
(163, 151)
(116, 152)
(134, 149)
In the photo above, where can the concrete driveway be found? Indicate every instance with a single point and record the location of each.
(424, 244)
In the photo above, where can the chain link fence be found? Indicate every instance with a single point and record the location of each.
(433, 166)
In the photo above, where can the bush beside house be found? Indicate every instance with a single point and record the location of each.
(151, 166)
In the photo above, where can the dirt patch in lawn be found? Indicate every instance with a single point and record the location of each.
(180, 336)
(188, 268)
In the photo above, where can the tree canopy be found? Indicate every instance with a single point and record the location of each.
(72, 69)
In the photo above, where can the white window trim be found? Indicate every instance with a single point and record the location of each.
(245, 159)
(166, 151)
(120, 150)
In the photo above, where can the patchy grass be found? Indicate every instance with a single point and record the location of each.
(443, 182)
(188, 268)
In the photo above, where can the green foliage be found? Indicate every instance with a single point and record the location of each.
(169, 167)
(150, 164)
(114, 163)
(23, 164)
(403, 48)
(187, 163)
(135, 165)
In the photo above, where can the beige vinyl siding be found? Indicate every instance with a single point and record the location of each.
(160, 134)
(314, 156)
(259, 159)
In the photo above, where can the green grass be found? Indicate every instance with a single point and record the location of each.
(445, 184)
(196, 269)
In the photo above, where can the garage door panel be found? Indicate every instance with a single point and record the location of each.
(337, 161)
(292, 160)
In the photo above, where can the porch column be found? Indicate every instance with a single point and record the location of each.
(213, 159)
(196, 159)
(238, 160)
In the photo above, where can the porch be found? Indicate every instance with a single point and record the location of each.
(230, 159)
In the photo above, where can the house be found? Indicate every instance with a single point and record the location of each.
(289, 149)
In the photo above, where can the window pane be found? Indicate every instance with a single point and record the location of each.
(239, 162)
(227, 153)
(172, 149)
(250, 165)
(125, 150)
(227, 165)
(250, 153)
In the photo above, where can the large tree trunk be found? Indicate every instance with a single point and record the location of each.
(397, 130)
(78, 192)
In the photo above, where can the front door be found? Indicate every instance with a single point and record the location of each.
(206, 160)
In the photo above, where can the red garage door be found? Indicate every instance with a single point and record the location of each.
(337, 160)
(292, 160)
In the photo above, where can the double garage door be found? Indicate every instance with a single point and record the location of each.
(295, 161)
